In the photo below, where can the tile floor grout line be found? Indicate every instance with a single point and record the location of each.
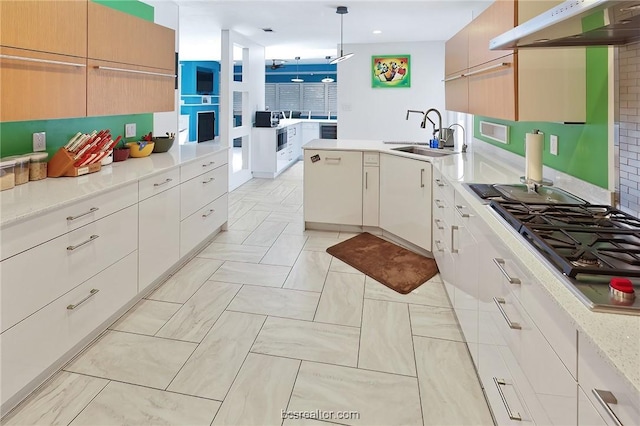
(415, 360)
(182, 366)
(292, 388)
(318, 362)
(294, 319)
(154, 336)
(364, 290)
(89, 403)
(324, 284)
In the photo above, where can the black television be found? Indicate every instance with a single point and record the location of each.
(204, 81)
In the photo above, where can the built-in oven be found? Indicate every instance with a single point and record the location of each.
(281, 139)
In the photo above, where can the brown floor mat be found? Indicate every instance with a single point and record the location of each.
(396, 267)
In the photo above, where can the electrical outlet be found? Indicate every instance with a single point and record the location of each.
(130, 130)
(553, 144)
(39, 141)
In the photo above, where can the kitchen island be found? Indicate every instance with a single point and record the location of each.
(77, 252)
(596, 351)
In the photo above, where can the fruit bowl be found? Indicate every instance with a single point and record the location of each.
(162, 143)
(136, 152)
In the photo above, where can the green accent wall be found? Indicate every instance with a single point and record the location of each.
(16, 137)
(132, 7)
(583, 149)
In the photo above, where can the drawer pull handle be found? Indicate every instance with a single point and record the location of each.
(453, 228)
(439, 204)
(91, 210)
(512, 324)
(500, 264)
(440, 183)
(209, 213)
(91, 294)
(210, 163)
(512, 415)
(605, 398)
(438, 222)
(43, 61)
(421, 178)
(159, 74)
(437, 243)
(163, 183)
(333, 158)
(366, 180)
(489, 68)
(91, 238)
(459, 210)
(208, 181)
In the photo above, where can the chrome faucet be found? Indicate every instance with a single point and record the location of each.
(464, 140)
(415, 111)
(439, 129)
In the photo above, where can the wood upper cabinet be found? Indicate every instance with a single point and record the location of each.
(456, 49)
(119, 37)
(495, 20)
(45, 26)
(38, 86)
(492, 88)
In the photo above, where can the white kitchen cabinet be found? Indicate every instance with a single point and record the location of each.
(45, 338)
(613, 397)
(588, 414)
(333, 187)
(294, 138)
(310, 131)
(405, 199)
(202, 165)
(159, 235)
(371, 189)
(203, 223)
(203, 189)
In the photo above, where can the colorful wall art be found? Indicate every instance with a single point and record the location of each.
(391, 71)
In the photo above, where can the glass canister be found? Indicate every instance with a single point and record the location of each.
(21, 169)
(7, 176)
(38, 165)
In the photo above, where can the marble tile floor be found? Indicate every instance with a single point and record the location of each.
(261, 323)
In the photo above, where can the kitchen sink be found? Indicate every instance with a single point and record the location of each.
(421, 150)
(541, 194)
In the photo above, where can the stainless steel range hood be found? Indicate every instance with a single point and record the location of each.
(577, 23)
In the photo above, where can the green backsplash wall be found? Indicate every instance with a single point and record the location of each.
(16, 137)
(582, 148)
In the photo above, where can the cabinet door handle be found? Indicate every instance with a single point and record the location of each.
(500, 264)
(42, 61)
(91, 210)
(333, 158)
(204, 182)
(453, 228)
(163, 183)
(459, 210)
(210, 163)
(499, 301)
(438, 222)
(605, 398)
(439, 204)
(91, 238)
(159, 74)
(209, 213)
(512, 415)
(489, 68)
(455, 77)
(366, 180)
(92, 293)
(437, 243)
(440, 183)
(421, 178)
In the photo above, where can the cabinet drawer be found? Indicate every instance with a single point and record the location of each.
(202, 165)
(596, 374)
(371, 158)
(202, 190)
(41, 90)
(21, 236)
(38, 276)
(156, 184)
(200, 225)
(35, 344)
(442, 187)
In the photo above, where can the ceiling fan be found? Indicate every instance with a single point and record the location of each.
(277, 63)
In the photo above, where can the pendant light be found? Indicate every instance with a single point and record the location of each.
(341, 10)
(297, 79)
(327, 79)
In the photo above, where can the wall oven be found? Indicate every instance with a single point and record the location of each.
(281, 139)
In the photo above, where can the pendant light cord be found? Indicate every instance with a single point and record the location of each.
(341, 34)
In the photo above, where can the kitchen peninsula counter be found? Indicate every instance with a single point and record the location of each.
(616, 336)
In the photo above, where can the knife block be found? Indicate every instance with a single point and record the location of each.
(61, 164)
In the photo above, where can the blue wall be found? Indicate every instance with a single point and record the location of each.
(188, 81)
(310, 73)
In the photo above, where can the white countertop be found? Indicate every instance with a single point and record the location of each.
(293, 121)
(38, 197)
(617, 336)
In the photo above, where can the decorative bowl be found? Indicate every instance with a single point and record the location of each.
(162, 143)
(136, 152)
(121, 154)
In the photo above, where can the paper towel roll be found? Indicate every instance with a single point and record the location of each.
(534, 145)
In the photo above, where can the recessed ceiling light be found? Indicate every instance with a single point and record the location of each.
(377, 31)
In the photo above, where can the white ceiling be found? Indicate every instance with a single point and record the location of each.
(311, 28)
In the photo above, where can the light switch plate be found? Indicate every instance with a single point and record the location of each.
(130, 130)
(553, 144)
(39, 141)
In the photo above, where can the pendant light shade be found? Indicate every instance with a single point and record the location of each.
(327, 79)
(297, 79)
(341, 10)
